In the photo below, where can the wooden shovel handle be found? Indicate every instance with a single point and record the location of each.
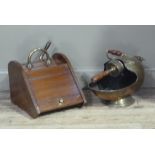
(99, 76)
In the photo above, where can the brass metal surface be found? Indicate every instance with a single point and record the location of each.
(131, 64)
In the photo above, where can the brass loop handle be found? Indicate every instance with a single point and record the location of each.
(43, 57)
(47, 60)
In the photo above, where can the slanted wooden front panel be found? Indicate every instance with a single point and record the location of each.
(51, 84)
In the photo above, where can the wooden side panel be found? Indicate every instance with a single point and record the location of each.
(19, 92)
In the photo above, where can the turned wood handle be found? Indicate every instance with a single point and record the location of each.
(99, 76)
(110, 54)
(115, 52)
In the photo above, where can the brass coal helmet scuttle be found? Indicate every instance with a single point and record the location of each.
(122, 76)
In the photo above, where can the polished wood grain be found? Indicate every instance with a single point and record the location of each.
(44, 88)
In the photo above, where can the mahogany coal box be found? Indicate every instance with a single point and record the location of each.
(44, 88)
